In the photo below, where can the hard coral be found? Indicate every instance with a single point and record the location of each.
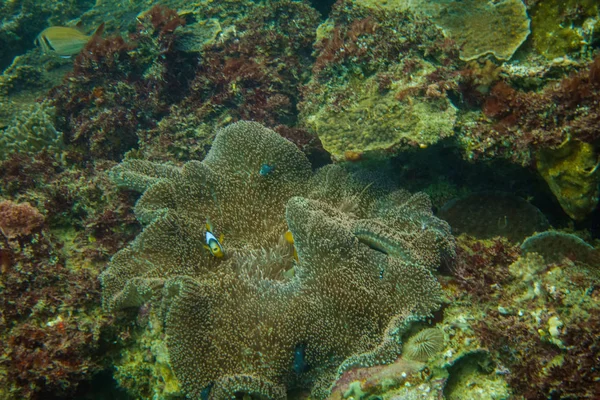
(380, 82)
(480, 27)
(31, 132)
(242, 324)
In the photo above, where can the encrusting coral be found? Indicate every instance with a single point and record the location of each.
(257, 321)
(379, 83)
(31, 132)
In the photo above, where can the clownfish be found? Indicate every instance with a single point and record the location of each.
(212, 243)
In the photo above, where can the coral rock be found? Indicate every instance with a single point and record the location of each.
(17, 220)
(571, 171)
(554, 246)
(489, 214)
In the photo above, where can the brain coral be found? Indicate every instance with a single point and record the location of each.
(257, 321)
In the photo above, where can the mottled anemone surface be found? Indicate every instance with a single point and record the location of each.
(245, 324)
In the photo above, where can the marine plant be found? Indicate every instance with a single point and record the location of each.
(551, 349)
(519, 122)
(534, 314)
(255, 71)
(119, 86)
(50, 327)
(257, 321)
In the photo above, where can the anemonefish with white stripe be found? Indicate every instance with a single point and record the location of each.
(212, 243)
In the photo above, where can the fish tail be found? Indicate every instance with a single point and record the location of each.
(99, 30)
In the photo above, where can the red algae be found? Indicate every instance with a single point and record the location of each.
(19, 220)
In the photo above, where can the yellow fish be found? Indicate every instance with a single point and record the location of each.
(290, 239)
(63, 40)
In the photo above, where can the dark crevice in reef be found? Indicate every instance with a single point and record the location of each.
(323, 6)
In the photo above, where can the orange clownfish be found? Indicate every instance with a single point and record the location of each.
(212, 243)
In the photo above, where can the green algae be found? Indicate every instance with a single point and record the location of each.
(143, 368)
(563, 27)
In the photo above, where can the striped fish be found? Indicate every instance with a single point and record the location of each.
(63, 40)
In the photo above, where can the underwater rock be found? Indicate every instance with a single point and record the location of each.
(51, 324)
(485, 215)
(479, 27)
(360, 383)
(235, 324)
(554, 246)
(571, 171)
(379, 83)
(564, 27)
(472, 376)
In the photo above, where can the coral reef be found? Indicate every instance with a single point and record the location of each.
(329, 286)
(119, 87)
(553, 123)
(152, 91)
(50, 325)
(379, 83)
(33, 132)
(255, 74)
(485, 215)
(366, 255)
(571, 171)
(562, 28)
(479, 27)
(516, 123)
(536, 317)
(554, 246)
(555, 329)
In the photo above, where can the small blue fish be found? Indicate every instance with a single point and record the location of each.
(266, 169)
(300, 364)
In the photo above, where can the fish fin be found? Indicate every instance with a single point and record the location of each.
(99, 30)
(206, 247)
(209, 226)
(289, 237)
(221, 238)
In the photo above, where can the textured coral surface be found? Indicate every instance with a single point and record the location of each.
(330, 282)
(365, 262)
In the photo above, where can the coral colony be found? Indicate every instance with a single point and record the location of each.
(295, 199)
